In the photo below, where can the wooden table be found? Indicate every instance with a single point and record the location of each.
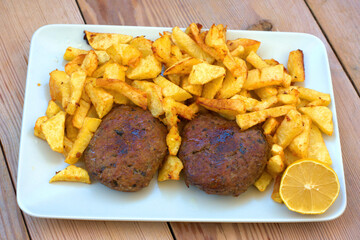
(334, 22)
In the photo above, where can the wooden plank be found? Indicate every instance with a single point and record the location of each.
(280, 16)
(12, 224)
(339, 20)
(17, 24)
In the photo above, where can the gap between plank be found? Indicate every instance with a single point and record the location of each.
(331, 46)
(13, 185)
(171, 230)
(82, 15)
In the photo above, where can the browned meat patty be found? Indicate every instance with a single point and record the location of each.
(220, 159)
(127, 149)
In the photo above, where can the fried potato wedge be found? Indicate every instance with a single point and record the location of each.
(52, 109)
(289, 157)
(313, 95)
(54, 131)
(75, 64)
(184, 111)
(231, 107)
(185, 43)
(203, 73)
(275, 165)
(295, 66)
(102, 41)
(270, 126)
(143, 45)
(101, 100)
(80, 114)
(248, 120)
(263, 182)
(148, 67)
(70, 129)
(37, 129)
(115, 71)
(124, 54)
(82, 139)
(289, 128)
(135, 95)
(317, 148)
(77, 83)
(154, 96)
(183, 66)
(173, 141)
(248, 44)
(170, 112)
(256, 61)
(194, 89)
(287, 99)
(265, 103)
(174, 78)
(269, 76)
(277, 150)
(321, 116)
(299, 146)
(211, 88)
(250, 103)
(60, 87)
(276, 190)
(90, 63)
(170, 169)
(67, 146)
(71, 173)
(161, 48)
(170, 89)
(271, 62)
(71, 53)
(266, 92)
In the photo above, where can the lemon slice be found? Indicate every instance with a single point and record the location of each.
(309, 187)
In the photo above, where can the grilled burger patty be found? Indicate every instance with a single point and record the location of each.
(219, 158)
(127, 149)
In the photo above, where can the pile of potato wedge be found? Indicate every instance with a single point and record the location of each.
(175, 77)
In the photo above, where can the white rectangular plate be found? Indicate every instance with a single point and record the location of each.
(166, 201)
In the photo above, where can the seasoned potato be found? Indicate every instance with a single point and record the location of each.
(68, 144)
(289, 128)
(289, 157)
(266, 92)
(269, 76)
(248, 44)
(231, 107)
(90, 63)
(102, 41)
(174, 78)
(77, 83)
(265, 103)
(270, 126)
(183, 66)
(37, 129)
(161, 48)
(275, 165)
(277, 150)
(170, 112)
(148, 67)
(52, 109)
(184, 111)
(256, 61)
(170, 89)
(321, 116)
(299, 146)
(173, 140)
(271, 62)
(275, 194)
(71, 173)
(83, 139)
(135, 95)
(75, 64)
(99, 72)
(170, 169)
(203, 73)
(211, 88)
(313, 95)
(185, 43)
(115, 71)
(263, 182)
(70, 129)
(80, 114)
(154, 96)
(248, 120)
(124, 54)
(101, 100)
(295, 66)
(317, 148)
(250, 103)
(287, 99)
(72, 53)
(54, 131)
(60, 87)
(143, 45)
(194, 89)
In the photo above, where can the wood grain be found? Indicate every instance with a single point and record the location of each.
(12, 224)
(340, 22)
(283, 16)
(17, 24)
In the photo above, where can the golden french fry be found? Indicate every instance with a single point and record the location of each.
(161, 48)
(271, 62)
(270, 126)
(211, 88)
(248, 120)
(170, 112)
(124, 54)
(250, 103)
(99, 72)
(287, 99)
(72, 53)
(83, 139)
(68, 144)
(203, 73)
(194, 89)
(317, 148)
(170, 89)
(75, 64)
(173, 140)
(299, 146)
(135, 95)
(256, 61)
(275, 165)
(266, 92)
(52, 109)
(37, 129)
(321, 116)
(269, 76)
(170, 169)
(263, 182)
(183, 66)
(289, 128)
(80, 114)
(54, 131)
(101, 100)
(90, 63)
(154, 96)
(59, 87)
(275, 194)
(92, 112)
(148, 67)
(143, 45)
(289, 157)
(265, 103)
(115, 71)
(174, 78)
(77, 83)
(231, 107)
(277, 150)
(295, 66)
(248, 44)
(71, 173)
(70, 129)
(102, 41)
(312, 95)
